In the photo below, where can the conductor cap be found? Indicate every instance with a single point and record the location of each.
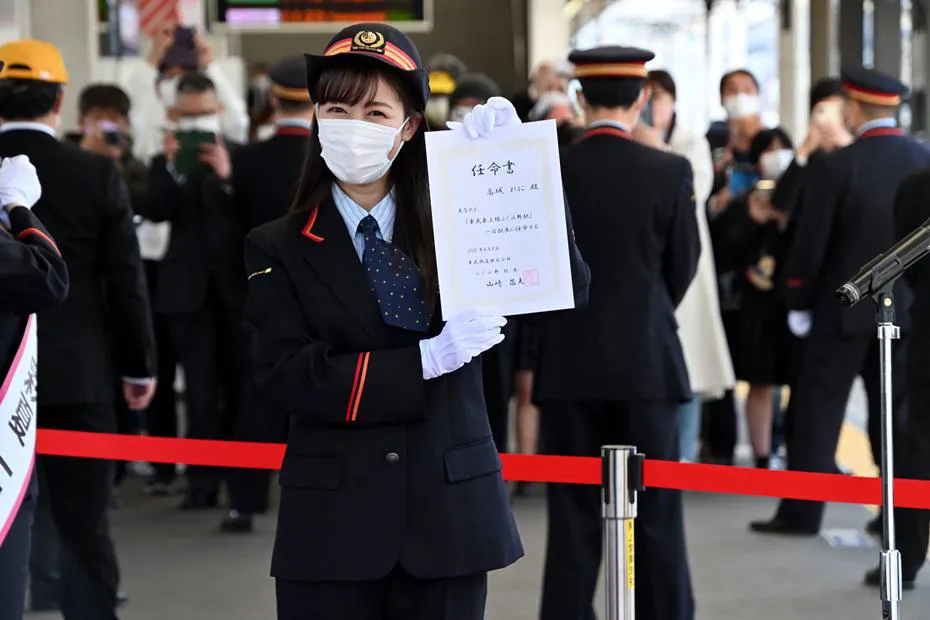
(289, 79)
(371, 43)
(611, 62)
(872, 87)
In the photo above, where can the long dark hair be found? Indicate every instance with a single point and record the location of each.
(356, 83)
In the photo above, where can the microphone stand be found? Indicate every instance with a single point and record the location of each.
(890, 562)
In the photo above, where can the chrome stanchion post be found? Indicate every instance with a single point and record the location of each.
(890, 556)
(622, 480)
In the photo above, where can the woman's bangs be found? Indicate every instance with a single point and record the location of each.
(348, 85)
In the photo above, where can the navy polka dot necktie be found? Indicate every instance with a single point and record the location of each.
(394, 279)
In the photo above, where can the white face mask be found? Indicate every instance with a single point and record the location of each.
(356, 152)
(458, 113)
(774, 163)
(207, 123)
(741, 106)
(168, 91)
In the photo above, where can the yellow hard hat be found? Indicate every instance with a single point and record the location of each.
(30, 59)
(441, 83)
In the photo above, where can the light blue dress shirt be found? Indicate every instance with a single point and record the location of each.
(290, 121)
(878, 123)
(385, 212)
(607, 123)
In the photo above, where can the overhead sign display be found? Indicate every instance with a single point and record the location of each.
(244, 14)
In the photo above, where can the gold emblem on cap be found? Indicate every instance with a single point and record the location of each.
(368, 41)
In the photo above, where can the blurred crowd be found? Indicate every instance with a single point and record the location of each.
(190, 211)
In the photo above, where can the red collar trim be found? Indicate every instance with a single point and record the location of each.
(292, 131)
(608, 131)
(882, 131)
(308, 228)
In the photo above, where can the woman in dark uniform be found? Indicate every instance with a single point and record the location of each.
(392, 502)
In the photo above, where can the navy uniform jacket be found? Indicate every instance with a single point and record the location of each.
(86, 209)
(846, 220)
(381, 467)
(633, 211)
(265, 175)
(911, 209)
(33, 278)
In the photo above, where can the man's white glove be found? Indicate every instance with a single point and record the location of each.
(19, 183)
(465, 336)
(799, 322)
(483, 118)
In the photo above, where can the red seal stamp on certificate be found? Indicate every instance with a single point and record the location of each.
(531, 277)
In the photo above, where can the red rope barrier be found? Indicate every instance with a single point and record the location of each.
(558, 469)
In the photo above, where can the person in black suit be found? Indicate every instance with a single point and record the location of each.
(613, 372)
(103, 330)
(200, 284)
(911, 210)
(846, 220)
(33, 278)
(392, 502)
(264, 178)
(826, 132)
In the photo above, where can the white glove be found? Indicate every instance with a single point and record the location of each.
(799, 322)
(19, 184)
(464, 337)
(483, 118)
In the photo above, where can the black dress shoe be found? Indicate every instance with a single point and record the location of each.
(236, 523)
(874, 578)
(782, 527)
(199, 500)
(156, 488)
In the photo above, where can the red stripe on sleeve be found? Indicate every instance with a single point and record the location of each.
(36, 231)
(358, 372)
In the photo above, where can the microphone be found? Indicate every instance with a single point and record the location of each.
(886, 267)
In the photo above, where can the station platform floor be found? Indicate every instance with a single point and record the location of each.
(177, 565)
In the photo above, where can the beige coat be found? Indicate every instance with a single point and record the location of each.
(703, 339)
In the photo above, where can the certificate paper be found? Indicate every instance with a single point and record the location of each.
(499, 221)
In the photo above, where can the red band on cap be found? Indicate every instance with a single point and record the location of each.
(392, 54)
(612, 69)
(871, 96)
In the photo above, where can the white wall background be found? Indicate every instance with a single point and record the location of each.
(696, 48)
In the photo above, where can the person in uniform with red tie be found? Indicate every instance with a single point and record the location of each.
(613, 372)
(392, 502)
(846, 219)
(264, 180)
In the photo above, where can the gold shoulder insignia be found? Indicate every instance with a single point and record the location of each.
(260, 273)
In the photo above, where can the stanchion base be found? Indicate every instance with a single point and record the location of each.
(890, 564)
